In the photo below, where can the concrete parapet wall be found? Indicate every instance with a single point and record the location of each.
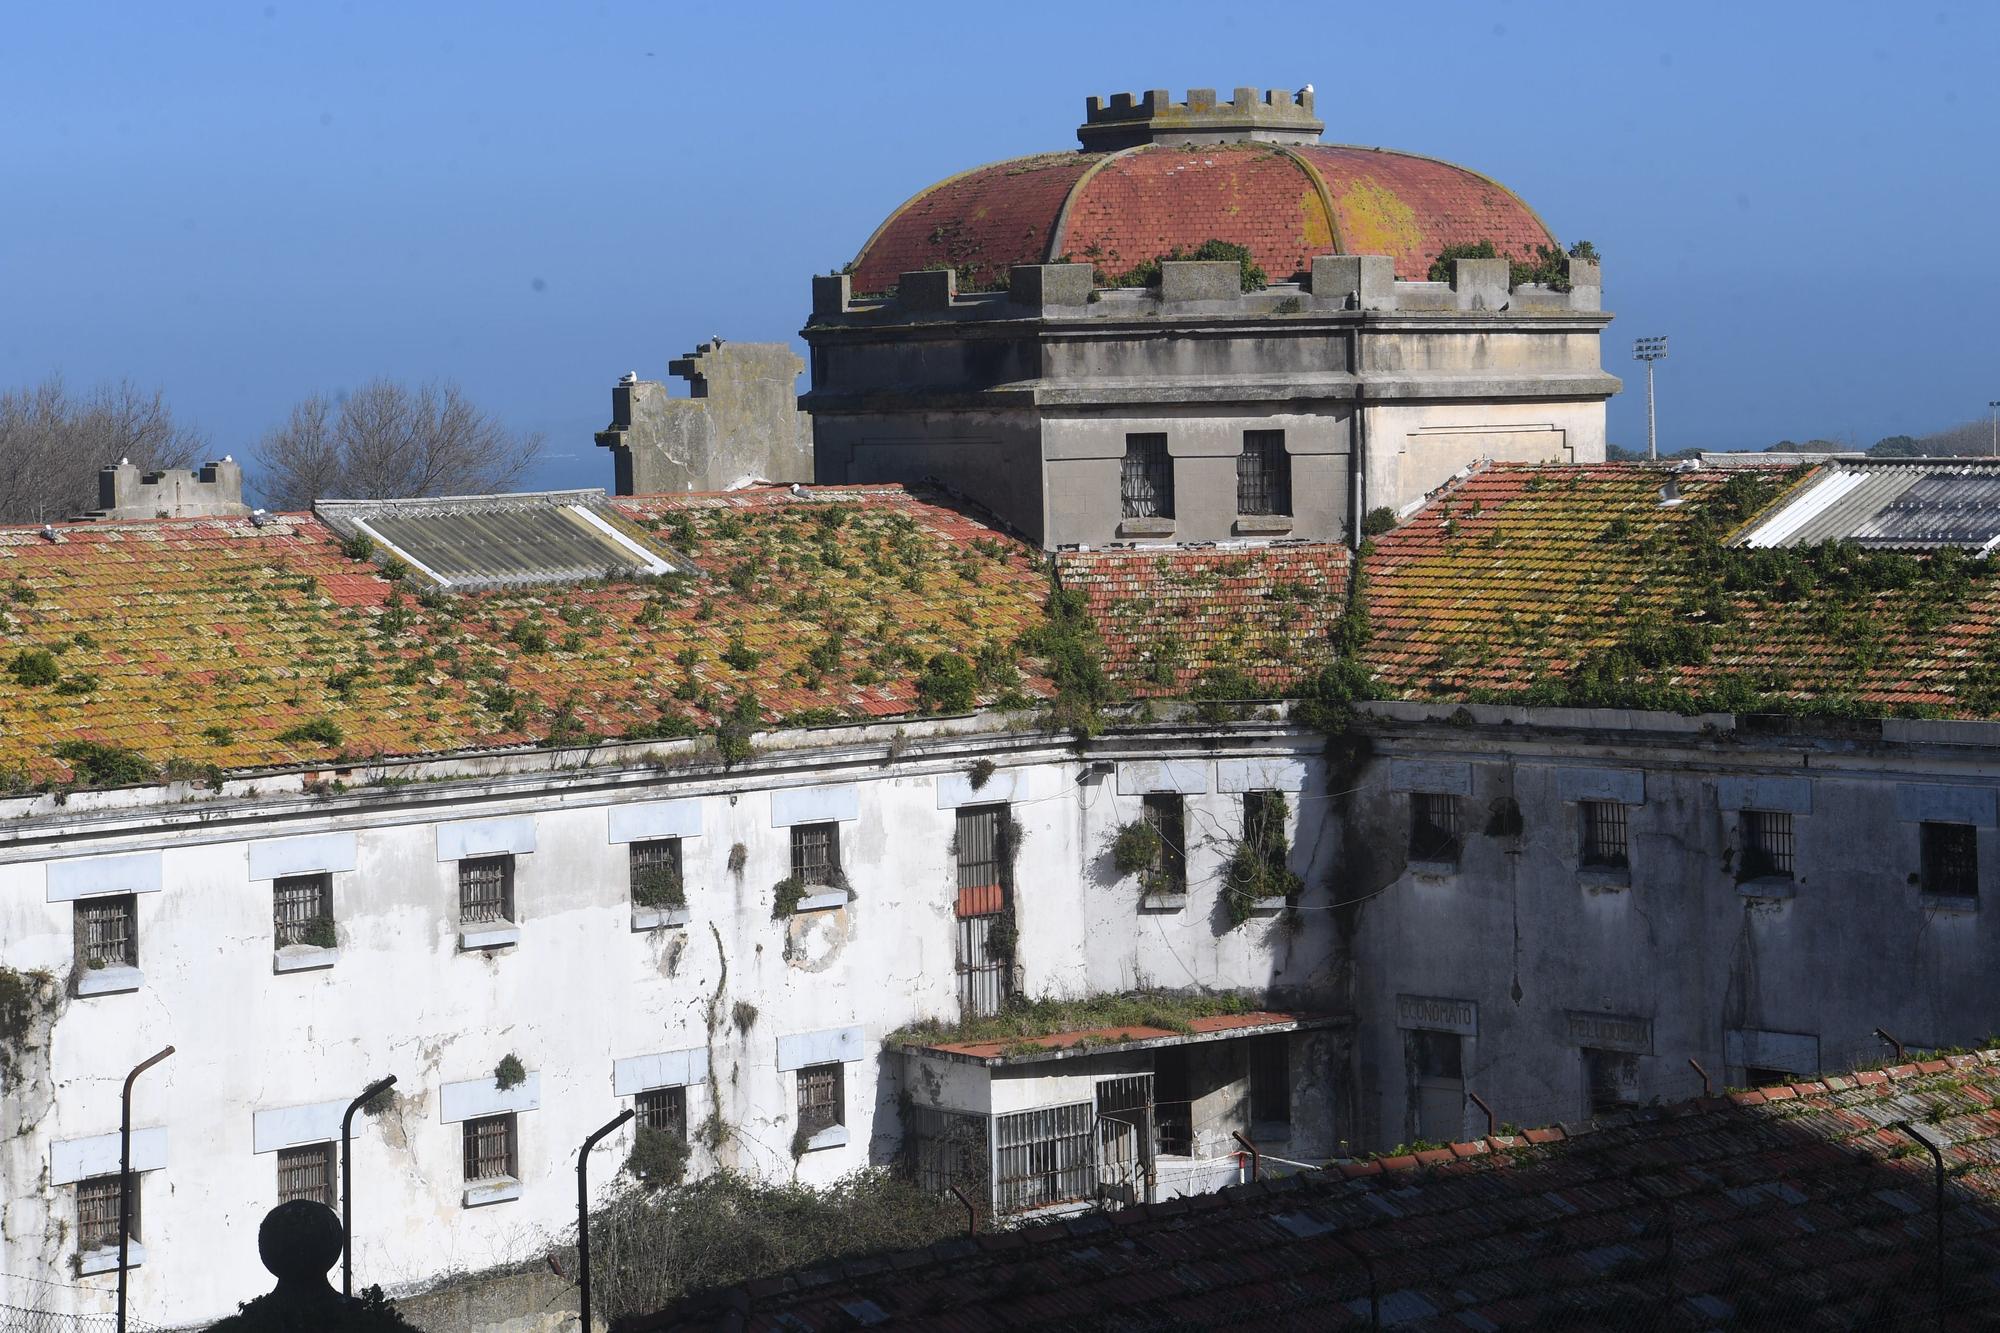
(742, 421)
(215, 490)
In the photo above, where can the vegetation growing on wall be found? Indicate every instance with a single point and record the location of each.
(509, 1073)
(95, 764)
(1257, 869)
(1549, 265)
(1147, 272)
(659, 886)
(24, 998)
(659, 1158)
(1067, 641)
(1022, 1018)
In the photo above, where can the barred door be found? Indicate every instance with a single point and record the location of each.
(1125, 1139)
(985, 923)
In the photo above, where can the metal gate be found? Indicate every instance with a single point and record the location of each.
(1125, 1139)
(985, 918)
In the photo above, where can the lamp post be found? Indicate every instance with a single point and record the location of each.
(347, 1179)
(125, 1174)
(1650, 350)
(583, 1214)
(1936, 1143)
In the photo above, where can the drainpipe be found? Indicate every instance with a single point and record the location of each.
(583, 1212)
(1492, 1129)
(1357, 457)
(125, 1173)
(1707, 1089)
(347, 1180)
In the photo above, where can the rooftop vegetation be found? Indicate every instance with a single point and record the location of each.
(1049, 1016)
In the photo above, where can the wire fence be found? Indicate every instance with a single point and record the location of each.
(20, 1319)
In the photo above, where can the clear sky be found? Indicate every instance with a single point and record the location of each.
(245, 203)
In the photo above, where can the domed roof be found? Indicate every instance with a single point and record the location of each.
(1287, 201)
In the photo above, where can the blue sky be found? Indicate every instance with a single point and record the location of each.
(245, 203)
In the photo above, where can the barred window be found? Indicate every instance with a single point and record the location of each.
(1433, 826)
(664, 1110)
(1146, 480)
(1604, 834)
(1044, 1157)
(97, 1212)
(820, 1098)
(306, 1173)
(1951, 859)
(1270, 1080)
(299, 906)
(1611, 1080)
(489, 1147)
(1263, 474)
(982, 861)
(486, 889)
(107, 931)
(816, 853)
(1166, 812)
(1767, 844)
(656, 873)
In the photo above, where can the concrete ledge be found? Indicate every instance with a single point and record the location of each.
(1769, 887)
(1604, 877)
(1162, 902)
(1947, 904)
(653, 918)
(821, 901)
(109, 980)
(1039, 286)
(501, 1189)
(1432, 869)
(1200, 280)
(927, 289)
(497, 935)
(303, 958)
(833, 1136)
(106, 1260)
(1250, 525)
(1267, 906)
(1145, 527)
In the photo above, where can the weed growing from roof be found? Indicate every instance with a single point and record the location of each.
(34, 667)
(1067, 641)
(317, 731)
(947, 684)
(96, 764)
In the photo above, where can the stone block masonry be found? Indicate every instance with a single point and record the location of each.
(740, 423)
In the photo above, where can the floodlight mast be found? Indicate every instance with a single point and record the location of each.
(1650, 350)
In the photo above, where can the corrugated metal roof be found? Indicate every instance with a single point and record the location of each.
(494, 541)
(1908, 506)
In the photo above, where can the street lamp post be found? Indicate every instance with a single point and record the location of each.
(1995, 405)
(1650, 350)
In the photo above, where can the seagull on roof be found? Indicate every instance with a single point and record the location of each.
(629, 377)
(1306, 91)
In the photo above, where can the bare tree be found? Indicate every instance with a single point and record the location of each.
(53, 442)
(387, 440)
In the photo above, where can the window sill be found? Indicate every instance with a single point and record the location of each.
(105, 1260)
(1267, 906)
(820, 901)
(1951, 904)
(303, 958)
(109, 981)
(493, 935)
(1767, 886)
(500, 1189)
(1433, 869)
(833, 1136)
(1146, 527)
(653, 918)
(1162, 902)
(1268, 525)
(1599, 879)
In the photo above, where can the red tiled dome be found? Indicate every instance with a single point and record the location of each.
(1286, 202)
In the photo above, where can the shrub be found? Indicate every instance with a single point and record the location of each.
(358, 547)
(96, 764)
(529, 636)
(785, 895)
(320, 933)
(659, 886)
(735, 727)
(1147, 272)
(1136, 848)
(947, 684)
(658, 1159)
(740, 655)
(1257, 869)
(1378, 521)
(980, 773)
(317, 731)
(668, 726)
(218, 735)
(35, 666)
(508, 1073)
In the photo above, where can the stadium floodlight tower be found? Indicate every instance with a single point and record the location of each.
(1650, 350)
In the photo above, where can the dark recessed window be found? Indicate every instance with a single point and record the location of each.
(1270, 1080)
(489, 1147)
(816, 853)
(1264, 474)
(1146, 481)
(302, 910)
(1604, 834)
(820, 1099)
(1611, 1081)
(485, 890)
(1767, 844)
(107, 931)
(1167, 813)
(1951, 860)
(1433, 826)
(306, 1173)
(663, 1110)
(656, 873)
(97, 1213)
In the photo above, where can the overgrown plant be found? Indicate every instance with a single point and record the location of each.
(785, 896)
(1257, 870)
(509, 1073)
(659, 1158)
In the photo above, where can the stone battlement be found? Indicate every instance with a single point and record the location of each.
(214, 490)
(1336, 283)
(1261, 115)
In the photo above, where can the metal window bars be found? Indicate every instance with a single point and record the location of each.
(489, 1147)
(296, 902)
(1146, 478)
(1604, 834)
(484, 887)
(1767, 844)
(819, 1098)
(306, 1173)
(1044, 1157)
(816, 853)
(663, 1110)
(949, 1148)
(655, 867)
(1951, 860)
(97, 1212)
(106, 932)
(1166, 812)
(1433, 826)
(1263, 474)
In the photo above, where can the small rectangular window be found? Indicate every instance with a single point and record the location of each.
(1146, 478)
(1611, 1081)
(1604, 834)
(306, 1173)
(663, 1110)
(1263, 474)
(1951, 860)
(489, 1148)
(302, 910)
(656, 873)
(107, 931)
(820, 1098)
(1270, 1080)
(485, 890)
(1167, 813)
(1433, 826)
(97, 1213)
(979, 847)
(816, 853)
(1767, 844)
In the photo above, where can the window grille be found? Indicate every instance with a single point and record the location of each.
(97, 1213)
(1767, 844)
(306, 1173)
(107, 932)
(297, 901)
(1263, 474)
(982, 863)
(816, 853)
(656, 873)
(1951, 859)
(1433, 826)
(489, 1147)
(949, 1148)
(663, 1109)
(1270, 1080)
(819, 1098)
(1044, 1157)
(486, 889)
(1146, 479)
(1604, 834)
(1166, 812)
(1434, 1054)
